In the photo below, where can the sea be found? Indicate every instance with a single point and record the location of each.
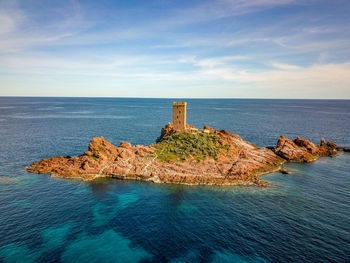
(301, 217)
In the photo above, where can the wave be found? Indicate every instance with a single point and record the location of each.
(60, 116)
(50, 108)
(292, 106)
(7, 107)
(78, 112)
(215, 108)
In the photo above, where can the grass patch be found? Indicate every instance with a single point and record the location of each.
(181, 146)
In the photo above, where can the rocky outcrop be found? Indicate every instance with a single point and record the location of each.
(284, 170)
(169, 129)
(301, 150)
(237, 162)
(210, 129)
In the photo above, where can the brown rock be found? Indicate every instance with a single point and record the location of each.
(126, 154)
(125, 145)
(210, 129)
(166, 131)
(284, 170)
(301, 150)
(331, 145)
(345, 149)
(312, 148)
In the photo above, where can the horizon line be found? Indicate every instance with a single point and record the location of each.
(195, 98)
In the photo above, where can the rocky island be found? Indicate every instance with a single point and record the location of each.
(185, 155)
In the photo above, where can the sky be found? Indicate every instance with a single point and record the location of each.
(175, 49)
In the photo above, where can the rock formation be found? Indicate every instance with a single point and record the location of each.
(207, 157)
(301, 150)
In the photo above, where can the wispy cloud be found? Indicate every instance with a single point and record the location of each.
(27, 30)
(218, 61)
(10, 17)
(231, 46)
(213, 10)
(283, 66)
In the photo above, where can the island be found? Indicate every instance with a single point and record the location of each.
(184, 154)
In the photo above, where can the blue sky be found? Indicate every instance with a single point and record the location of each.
(210, 49)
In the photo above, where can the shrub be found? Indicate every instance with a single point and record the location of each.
(181, 146)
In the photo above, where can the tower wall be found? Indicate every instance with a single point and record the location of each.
(179, 115)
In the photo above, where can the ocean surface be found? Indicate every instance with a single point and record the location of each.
(302, 217)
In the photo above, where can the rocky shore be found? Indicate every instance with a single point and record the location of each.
(206, 157)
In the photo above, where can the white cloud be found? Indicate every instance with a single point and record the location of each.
(316, 81)
(217, 61)
(283, 80)
(7, 23)
(284, 66)
(10, 17)
(20, 30)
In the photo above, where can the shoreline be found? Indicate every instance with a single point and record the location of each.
(203, 157)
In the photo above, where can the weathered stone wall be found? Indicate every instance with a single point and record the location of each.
(179, 115)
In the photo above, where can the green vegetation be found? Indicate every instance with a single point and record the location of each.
(180, 146)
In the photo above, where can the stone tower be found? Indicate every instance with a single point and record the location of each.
(179, 115)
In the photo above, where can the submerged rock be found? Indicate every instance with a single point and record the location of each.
(343, 149)
(195, 157)
(8, 180)
(284, 170)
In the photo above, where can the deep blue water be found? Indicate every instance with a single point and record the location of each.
(303, 217)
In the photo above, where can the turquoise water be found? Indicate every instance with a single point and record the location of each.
(302, 217)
